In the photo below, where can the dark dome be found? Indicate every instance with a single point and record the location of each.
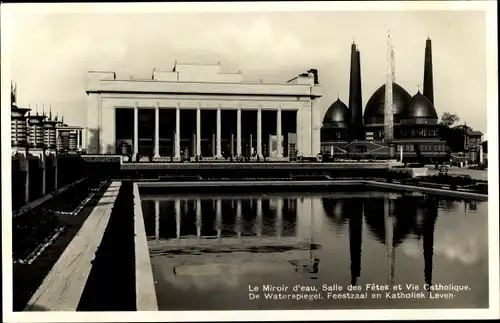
(374, 110)
(338, 113)
(419, 107)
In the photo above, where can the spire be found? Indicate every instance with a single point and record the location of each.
(393, 64)
(355, 95)
(50, 112)
(388, 107)
(428, 73)
(36, 109)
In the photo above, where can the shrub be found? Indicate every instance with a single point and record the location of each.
(30, 230)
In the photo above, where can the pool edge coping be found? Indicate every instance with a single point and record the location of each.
(369, 183)
(144, 282)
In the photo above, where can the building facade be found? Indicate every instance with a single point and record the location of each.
(197, 110)
(347, 131)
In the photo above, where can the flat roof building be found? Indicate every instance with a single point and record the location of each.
(200, 111)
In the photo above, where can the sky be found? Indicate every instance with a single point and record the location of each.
(52, 52)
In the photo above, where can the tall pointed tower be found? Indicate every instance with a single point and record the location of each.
(359, 99)
(428, 75)
(388, 108)
(355, 104)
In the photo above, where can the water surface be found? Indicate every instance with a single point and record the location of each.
(210, 252)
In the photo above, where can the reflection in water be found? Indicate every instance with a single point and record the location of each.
(258, 225)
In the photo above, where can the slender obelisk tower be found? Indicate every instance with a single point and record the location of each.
(388, 108)
(355, 95)
(428, 75)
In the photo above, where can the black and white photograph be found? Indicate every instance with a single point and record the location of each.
(249, 161)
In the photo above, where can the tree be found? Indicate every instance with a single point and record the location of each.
(449, 119)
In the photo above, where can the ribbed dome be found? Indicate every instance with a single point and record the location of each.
(337, 113)
(374, 110)
(419, 107)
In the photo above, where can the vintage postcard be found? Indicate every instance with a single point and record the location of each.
(249, 161)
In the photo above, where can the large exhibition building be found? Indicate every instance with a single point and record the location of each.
(197, 110)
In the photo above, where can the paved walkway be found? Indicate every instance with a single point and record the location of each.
(62, 289)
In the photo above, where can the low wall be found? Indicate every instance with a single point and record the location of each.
(256, 165)
(263, 185)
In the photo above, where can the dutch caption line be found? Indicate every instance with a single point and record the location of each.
(339, 292)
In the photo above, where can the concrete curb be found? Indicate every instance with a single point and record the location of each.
(144, 281)
(429, 190)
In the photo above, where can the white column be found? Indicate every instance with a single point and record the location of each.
(198, 219)
(157, 220)
(269, 145)
(136, 130)
(259, 132)
(232, 144)
(81, 139)
(238, 218)
(193, 140)
(250, 146)
(77, 140)
(259, 217)
(279, 217)
(401, 153)
(178, 218)
(178, 131)
(298, 145)
(278, 133)
(157, 130)
(219, 152)
(218, 217)
(198, 131)
(213, 145)
(238, 132)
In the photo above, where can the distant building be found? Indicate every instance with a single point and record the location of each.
(69, 138)
(41, 134)
(19, 128)
(473, 140)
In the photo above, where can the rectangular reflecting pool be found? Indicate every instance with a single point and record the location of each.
(317, 251)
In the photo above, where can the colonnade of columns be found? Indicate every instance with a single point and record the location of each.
(218, 140)
(218, 218)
